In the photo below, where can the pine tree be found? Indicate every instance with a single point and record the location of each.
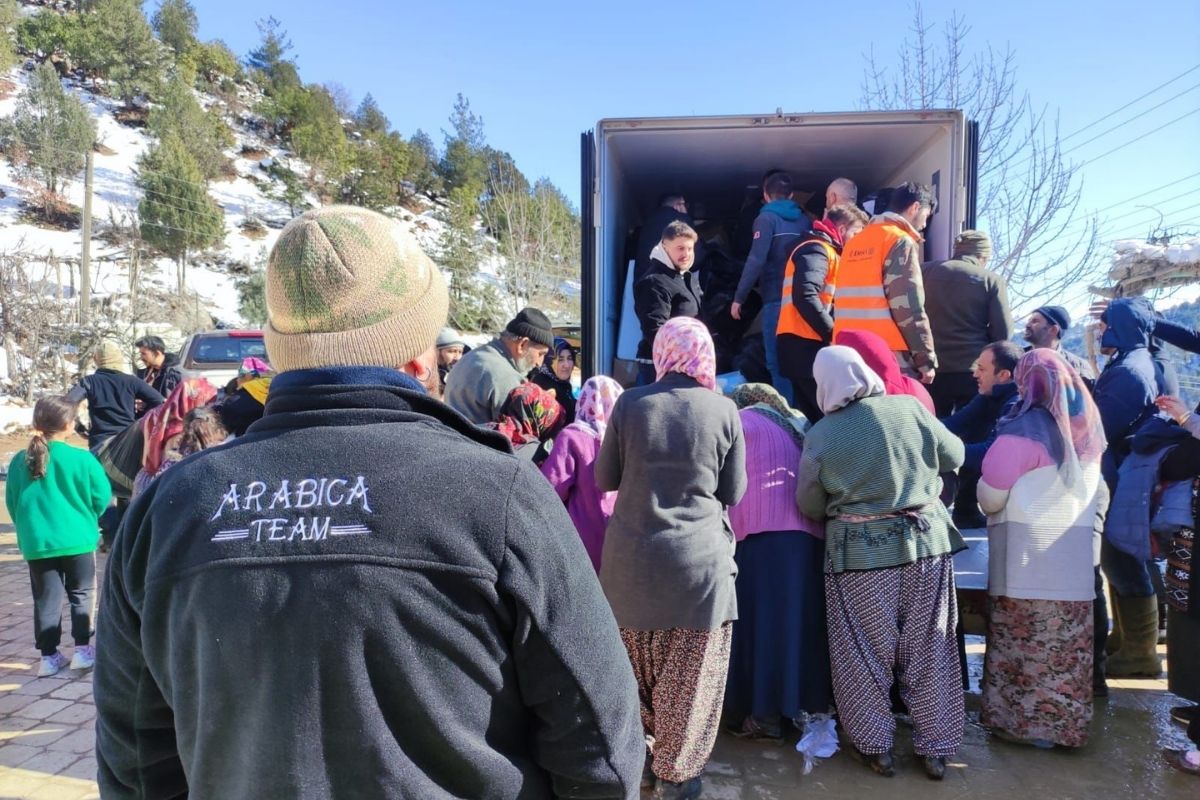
(177, 215)
(369, 118)
(252, 297)
(203, 133)
(460, 249)
(270, 59)
(316, 133)
(464, 162)
(215, 61)
(176, 24)
(291, 189)
(422, 165)
(122, 49)
(49, 133)
(379, 165)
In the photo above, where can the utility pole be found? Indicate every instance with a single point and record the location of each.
(85, 256)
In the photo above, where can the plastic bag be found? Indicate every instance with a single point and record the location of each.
(820, 740)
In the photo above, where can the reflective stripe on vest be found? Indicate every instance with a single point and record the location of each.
(860, 302)
(790, 319)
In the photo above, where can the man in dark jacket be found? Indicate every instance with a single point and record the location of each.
(967, 306)
(161, 368)
(806, 321)
(996, 396)
(112, 396)
(779, 227)
(1125, 393)
(297, 614)
(670, 289)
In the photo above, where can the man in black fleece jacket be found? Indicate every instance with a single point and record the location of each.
(299, 614)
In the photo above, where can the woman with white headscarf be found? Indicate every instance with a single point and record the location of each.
(870, 469)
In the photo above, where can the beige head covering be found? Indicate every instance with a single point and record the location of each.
(110, 356)
(843, 377)
(349, 287)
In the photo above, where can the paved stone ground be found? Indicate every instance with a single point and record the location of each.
(47, 740)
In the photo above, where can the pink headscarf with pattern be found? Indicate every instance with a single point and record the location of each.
(684, 345)
(1047, 382)
(596, 401)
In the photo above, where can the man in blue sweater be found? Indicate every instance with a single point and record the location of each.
(779, 227)
(976, 422)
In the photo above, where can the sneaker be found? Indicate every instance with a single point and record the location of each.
(1185, 714)
(1184, 760)
(84, 658)
(52, 665)
(688, 790)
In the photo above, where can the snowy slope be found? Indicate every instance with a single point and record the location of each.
(115, 191)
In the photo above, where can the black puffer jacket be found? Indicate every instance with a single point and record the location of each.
(665, 293)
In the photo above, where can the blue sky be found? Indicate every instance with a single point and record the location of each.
(539, 73)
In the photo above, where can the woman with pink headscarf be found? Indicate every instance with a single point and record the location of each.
(1041, 487)
(571, 466)
(674, 453)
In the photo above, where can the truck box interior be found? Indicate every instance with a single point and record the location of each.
(715, 161)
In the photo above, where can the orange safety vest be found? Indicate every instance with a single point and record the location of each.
(859, 301)
(790, 319)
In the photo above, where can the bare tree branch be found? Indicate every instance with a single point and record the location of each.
(1028, 193)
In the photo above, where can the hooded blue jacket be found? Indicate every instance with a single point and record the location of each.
(779, 227)
(1126, 389)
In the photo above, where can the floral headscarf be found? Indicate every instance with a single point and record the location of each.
(530, 414)
(684, 345)
(166, 421)
(749, 394)
(595, 406)
(762, 398)
(1047, 382)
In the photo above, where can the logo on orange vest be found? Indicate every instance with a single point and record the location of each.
(860, 252)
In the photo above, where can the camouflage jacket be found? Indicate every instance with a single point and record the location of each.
(905, 291)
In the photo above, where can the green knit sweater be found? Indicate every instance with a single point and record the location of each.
(875, 457)
(57, 515)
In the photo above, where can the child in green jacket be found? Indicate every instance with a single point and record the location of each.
(55, 494)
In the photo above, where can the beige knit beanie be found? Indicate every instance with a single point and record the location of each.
(349, 287)
(110, 356)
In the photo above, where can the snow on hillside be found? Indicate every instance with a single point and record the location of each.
(115, 190)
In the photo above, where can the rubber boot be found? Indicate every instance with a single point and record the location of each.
(1138, 656)
(1114, 636)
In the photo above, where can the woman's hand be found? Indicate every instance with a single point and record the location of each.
(1173, 407)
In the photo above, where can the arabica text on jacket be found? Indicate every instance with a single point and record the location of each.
(307, 500)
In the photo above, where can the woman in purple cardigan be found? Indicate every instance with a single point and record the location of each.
(571, 465)
(779, 663)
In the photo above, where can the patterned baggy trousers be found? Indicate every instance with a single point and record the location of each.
(903, 619)
(681, 685)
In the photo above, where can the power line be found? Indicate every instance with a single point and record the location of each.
(1135, 100)
(1165, 125)
(1149, 192)
(1163, 218)
(1126, 122)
